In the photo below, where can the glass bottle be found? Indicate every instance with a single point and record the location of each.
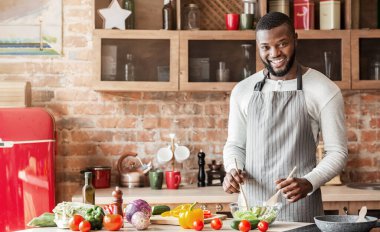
(130, 21)
(88, 190)
(129, 68)
(192, 17)
(222, 73)
(167, 16)
(248, 61)
(375, 68)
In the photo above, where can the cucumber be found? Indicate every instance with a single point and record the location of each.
(159, 209)
(235, 224)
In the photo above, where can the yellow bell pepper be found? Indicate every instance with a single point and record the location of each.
(187, 217)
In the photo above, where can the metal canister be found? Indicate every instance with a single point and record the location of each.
(304, 14)
(329, 14)
(279, 6)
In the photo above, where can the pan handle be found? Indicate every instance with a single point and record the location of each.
(345, 210)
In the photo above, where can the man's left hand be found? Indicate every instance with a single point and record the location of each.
(294, 188)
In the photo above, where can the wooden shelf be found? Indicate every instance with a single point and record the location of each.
(360, 63)
(212, 41)
(145, 44)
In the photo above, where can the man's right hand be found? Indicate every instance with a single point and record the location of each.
(232, 181)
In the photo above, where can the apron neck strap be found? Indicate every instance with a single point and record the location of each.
(259, 85)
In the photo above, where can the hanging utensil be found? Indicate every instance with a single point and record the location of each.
(241, 189)
(362, 213)
(274, 199)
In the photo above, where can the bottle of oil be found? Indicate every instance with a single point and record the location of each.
(88, 190)
(168, 16)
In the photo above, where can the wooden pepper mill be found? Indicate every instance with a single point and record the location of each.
(201, 171)
(118, 201)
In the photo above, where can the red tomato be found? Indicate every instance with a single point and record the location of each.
(74, 222)
(244, 226)
(113, 222)
(263, 226)
(84, 226)
(207, 213)
(198, 225)
(216, 224)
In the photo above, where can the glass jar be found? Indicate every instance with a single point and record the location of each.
(304, 14)
(329, 14)
(248, 61)
(129, 68)
(375, 68)
(192, 17)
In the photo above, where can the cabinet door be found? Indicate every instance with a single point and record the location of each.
(154, 65)
(327, 52)
(203, 53)
(365, 53)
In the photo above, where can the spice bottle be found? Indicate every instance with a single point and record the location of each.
(192, 17)
(329, 14)
(304, 14)
(168, 16)
(130, 21)
(88, 190)
(279, 6)
(129, 68)
(118, 201)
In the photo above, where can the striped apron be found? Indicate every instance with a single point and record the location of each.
(279, 137)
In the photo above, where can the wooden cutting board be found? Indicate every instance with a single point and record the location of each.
(158, 219)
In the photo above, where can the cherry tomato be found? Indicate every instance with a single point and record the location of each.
(74, 222)
(216, 224)
(113, 222)
(84, 226)
(244, 226)
(263, 226)
(198, 225)
(207, 213)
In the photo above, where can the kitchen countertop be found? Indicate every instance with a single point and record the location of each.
(215, 194)
(275, 227)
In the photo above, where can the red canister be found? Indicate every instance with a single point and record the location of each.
(304, 14)
(101, 176)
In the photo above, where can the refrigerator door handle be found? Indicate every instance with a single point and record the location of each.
(9, 144)
(4, 144)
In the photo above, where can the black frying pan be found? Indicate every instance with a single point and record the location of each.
(346, 223)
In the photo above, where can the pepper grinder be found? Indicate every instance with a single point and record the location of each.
(201, 171)
(118, 201)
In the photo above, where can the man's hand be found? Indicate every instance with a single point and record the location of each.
(232, 181)
(294, 188)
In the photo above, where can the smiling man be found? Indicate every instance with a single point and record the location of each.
(276, 117)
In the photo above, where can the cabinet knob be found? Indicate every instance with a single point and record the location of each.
(219, 207)
(203, 207)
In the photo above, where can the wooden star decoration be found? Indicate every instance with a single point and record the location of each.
(114, 16)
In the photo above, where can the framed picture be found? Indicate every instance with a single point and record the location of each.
(31, 27)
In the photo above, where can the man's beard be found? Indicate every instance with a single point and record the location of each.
(283, 72)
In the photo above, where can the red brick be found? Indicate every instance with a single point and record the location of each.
(150, 123)
(360, 163)
(165, 123)
(125, 136)
(146, 136)
(58, 109)
(374, 123)
(116, 149)
(116, 122)
(94, 109)
(148, 109)
(91, 136)
(351, 135)
(165, 96)
(368, 135)
(75, 95)
(370, 97)
(221, 109)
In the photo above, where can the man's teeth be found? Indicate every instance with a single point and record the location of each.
(277, 61)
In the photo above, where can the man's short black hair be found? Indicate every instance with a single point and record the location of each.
(275, 19)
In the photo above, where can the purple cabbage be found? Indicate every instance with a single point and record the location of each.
(138, 205)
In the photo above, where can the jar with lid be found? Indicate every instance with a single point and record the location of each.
(329, 14)
(192, 17)
(304, 14)
(279, 6)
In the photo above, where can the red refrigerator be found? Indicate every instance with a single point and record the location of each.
(27, 153)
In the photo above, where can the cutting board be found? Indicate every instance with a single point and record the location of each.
(158, 219)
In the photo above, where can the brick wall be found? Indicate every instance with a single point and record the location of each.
(95, 128)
